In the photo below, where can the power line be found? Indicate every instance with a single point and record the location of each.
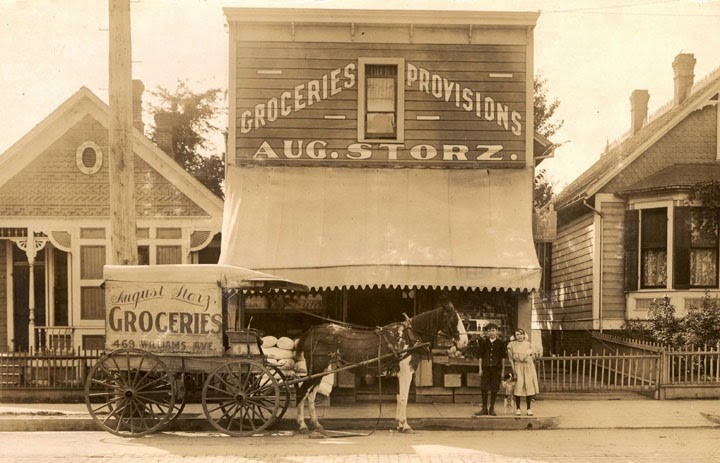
(603, 10)
(607, 7)
(676, 15)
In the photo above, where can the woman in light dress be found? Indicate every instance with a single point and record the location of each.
(522, 356)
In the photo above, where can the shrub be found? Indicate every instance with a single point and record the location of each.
(665, 327)
(637, 329)
(702, 324)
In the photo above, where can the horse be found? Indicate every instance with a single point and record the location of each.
(395, 346)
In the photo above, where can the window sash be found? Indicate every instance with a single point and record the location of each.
(169, 255)
(653, 248)
(92, 303)
(380, 101)
(703, 244)
(654, 268)
(92, 261)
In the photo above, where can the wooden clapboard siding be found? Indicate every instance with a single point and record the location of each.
(613, 294)
(458, 52)
(253, 80)
(4, 278)
(467, 65)
(572, 273)
(398, 35)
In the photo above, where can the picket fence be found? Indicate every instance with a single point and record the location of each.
(650, 370)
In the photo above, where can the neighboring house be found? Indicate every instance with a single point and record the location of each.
(55, 224)
(626, 230)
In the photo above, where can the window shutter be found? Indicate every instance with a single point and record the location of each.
(681, 248)
(632, 226)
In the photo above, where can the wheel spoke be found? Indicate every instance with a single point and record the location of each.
(105, 384)
(114, 413)
(145, 386)
(229, 412)
(142, 415)
(144, 398)
(223, 380)
(149, 372)
(222, 391)
(137, 372)
(107, 404)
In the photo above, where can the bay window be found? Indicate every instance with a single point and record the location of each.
(695, 248)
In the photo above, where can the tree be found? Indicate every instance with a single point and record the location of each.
(194, 122)
(542, 190)
(544, 108)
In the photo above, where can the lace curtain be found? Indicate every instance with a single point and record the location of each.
(654, 268)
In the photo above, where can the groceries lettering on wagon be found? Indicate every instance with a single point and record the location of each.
(332, 83)
(159, 309)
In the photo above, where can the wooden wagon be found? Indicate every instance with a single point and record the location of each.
(165, 324)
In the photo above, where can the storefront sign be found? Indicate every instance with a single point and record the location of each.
(314, 91)
(492, 133)
(175, 318)
(317, 150)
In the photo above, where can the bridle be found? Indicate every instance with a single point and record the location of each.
(451, 318)
(450, 331)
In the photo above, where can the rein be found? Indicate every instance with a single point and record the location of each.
(441, 333)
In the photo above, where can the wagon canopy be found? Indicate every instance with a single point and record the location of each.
(226, 276)
(335, 227)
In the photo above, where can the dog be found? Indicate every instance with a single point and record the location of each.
(508, 387)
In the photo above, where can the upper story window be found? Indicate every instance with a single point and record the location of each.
(89, 158)
(381, 99)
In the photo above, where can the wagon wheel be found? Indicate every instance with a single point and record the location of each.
(181, 397)
(284, 392)
(130, 393)
(241, 398)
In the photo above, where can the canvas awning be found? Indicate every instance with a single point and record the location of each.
(330, 227)
(227, 276)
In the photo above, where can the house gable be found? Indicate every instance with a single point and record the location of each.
(701, 104)
(52, 185)
(40, 177)
(690, 141)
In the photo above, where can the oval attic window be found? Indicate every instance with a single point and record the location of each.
(89, 158)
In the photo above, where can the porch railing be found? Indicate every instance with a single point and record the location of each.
(55, 339)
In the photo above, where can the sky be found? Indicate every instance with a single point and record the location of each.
(593, 53)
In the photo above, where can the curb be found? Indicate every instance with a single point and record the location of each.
(32, 423)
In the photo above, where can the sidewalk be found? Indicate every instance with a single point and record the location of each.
(560, 413)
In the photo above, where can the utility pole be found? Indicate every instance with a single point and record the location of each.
(122, 164)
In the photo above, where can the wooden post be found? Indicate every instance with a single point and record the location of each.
(123, 238)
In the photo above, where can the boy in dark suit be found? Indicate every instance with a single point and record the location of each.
(492, 351)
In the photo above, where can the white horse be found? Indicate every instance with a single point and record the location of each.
(330, 346)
